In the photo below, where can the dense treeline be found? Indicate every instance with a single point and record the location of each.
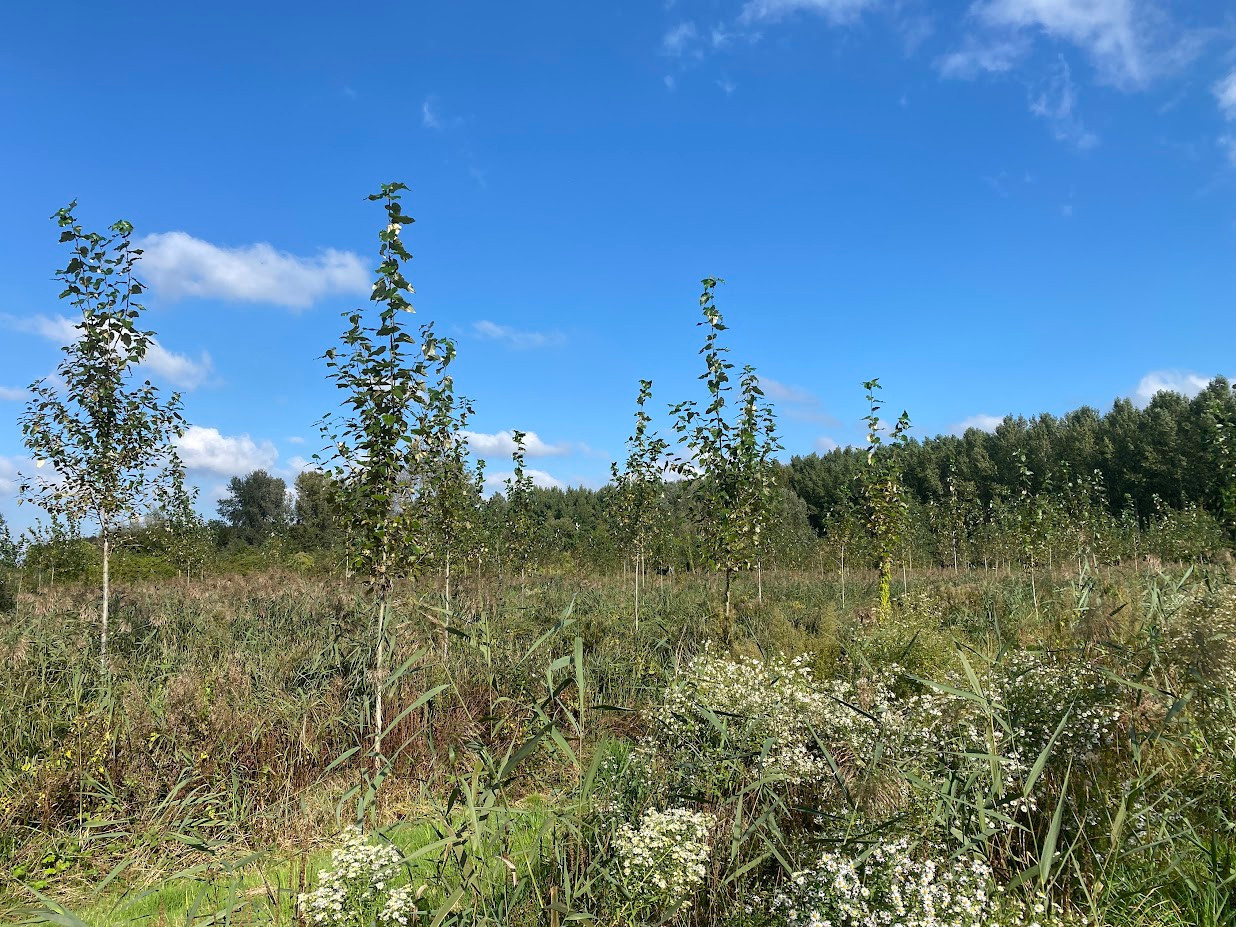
(1169, 455)
(1129, 483)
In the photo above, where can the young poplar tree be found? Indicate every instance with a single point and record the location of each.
(639, 487)
(374, 445)
(729, 457)
(107, 434)
(518, 525)
(885, 494)
(451, 489)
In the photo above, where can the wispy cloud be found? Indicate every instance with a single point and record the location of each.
(835, 11)
(12, 393)
(177, 369)
(429, 115)
(981, 421)
(796, 402)
(679, 39)
(1185, 382)
(1225, 94)
(983, 56)
(10, 474)
(205, 449)
(177, 265)
(514, 337)
(824, 444)
(1056, 103)
(502, 443)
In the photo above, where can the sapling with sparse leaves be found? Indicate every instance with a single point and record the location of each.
(107, 435)
(883, 488)
(376, 444)
(638, 488)
(728, 457)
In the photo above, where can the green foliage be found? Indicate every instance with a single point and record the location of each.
(729, 456)
(639, 487)
(108, 439)
(256, 507)
(887, 511)
(315, 516)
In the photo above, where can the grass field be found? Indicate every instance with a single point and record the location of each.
(546, 760)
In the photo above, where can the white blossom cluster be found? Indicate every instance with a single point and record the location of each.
(891, 887)
(664, 861)
(357, 890)
(1022, 705)
(775, 712)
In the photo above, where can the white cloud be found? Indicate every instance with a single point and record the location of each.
(1056, 104)
(57, 328)
(678, 39)
(178, 369)
(495, 482)
(835, 11)
(514, 336)
(179, 265)
(1130, 42)
(1184, 382)
(206, 449)
(1225, 93)
(981, 422)
(502, 443)
(12, 393)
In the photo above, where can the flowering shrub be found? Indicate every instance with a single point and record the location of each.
(357, 891)
(890, 886)
(663, 862)
(1022, 703)
(727, 718)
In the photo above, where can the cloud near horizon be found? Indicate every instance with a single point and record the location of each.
(1185, 382)
(206, 449)
(502, 443)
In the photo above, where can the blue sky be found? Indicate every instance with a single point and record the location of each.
(1003, 206)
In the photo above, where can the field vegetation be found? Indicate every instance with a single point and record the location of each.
(975, 680)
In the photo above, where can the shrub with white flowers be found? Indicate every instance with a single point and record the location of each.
(890, 885)
(727, 717)
(357, 890)
(663, 862)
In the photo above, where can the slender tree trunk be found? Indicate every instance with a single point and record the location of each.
(759, 581)
(106, 602)
(379, 683)
(843, 577)
(729, 575)
(638, 560)
(448, 575)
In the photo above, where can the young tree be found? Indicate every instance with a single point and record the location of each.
(885, 493)
(108, 436)
(188, 539)
(450, 488)
(377, 442)
(256, 506)
(519, 534)
(639, 487)
(729, 457)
